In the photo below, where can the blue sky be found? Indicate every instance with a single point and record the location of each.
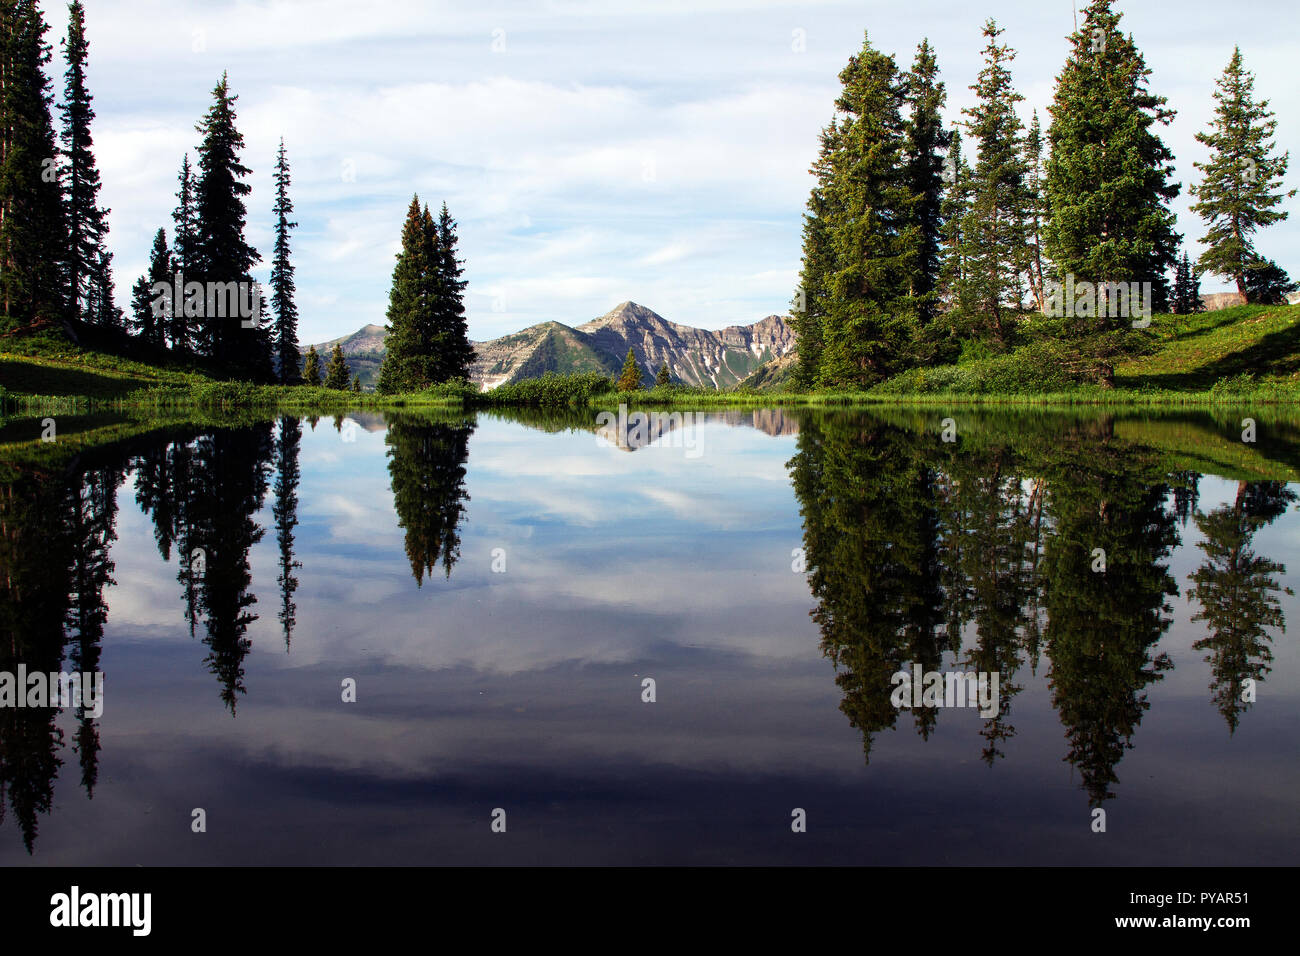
(592, 153)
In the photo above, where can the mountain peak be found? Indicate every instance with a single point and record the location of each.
(694, 356)
(627, 311)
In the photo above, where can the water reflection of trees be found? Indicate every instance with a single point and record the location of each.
(981, 552)
(54, 540)
(1237, 591)
(57, 523)
(426, 465)
(203, 490)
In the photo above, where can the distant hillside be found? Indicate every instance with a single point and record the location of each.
(364, 350)
(773, 376)
(694, 356)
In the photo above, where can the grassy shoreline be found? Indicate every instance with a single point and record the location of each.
(1241, 357)
(308, 400)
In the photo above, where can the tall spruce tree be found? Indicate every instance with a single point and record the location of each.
(1109, 174)
(953, 273)
(33, 228)
(150, 317)
(184, 256)
(282, 286)
(1242, 179)
(871, 220)
(1036, 212)
(457, 354)
(925, 150)
(224, 257)
(87, 222)
(809, 309)
(409, 362)
(996, 231)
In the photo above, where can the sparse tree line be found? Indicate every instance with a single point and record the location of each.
(197, 300)
(925, 244)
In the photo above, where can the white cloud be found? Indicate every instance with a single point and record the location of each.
(646, 150)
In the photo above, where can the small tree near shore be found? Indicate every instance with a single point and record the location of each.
(311, 367)
(629, 380)
(337, 372)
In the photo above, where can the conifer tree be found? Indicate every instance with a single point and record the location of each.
(457, 354)
(1181, 296)
(629, 379)
(282, 285)
(663, 378)
(86, 221)
(809, 308)
(1194, 288)
(337, 372)
(1187, 287)
(926, 146)
(33, 228)
(1242, 179)
(184, 257)
(409, 363)
(953, 273)
(311, 367)
(149, 317)
(1267, 283)
(871, 222)
(1036, 211)
(356, 384)
(996, 228)
(223, 254)
(1108, 172)
(102, 308)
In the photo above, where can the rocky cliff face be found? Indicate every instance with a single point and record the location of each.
(694, 356)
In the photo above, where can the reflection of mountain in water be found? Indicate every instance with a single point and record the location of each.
(978, 555)
(632, 429)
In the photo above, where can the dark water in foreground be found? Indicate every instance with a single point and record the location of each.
(499, 589)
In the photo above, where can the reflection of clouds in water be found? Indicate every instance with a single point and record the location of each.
(588, 598)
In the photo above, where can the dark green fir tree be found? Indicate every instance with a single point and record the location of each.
(33, 229)
(151, 310)
(337, 373)
(1109, 181)
(87, 222)
(1241, 186)
(282, 286)
(629, 379)
(311, 374)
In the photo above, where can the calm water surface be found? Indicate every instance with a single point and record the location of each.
(500, 588)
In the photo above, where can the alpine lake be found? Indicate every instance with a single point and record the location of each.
(611, 636)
